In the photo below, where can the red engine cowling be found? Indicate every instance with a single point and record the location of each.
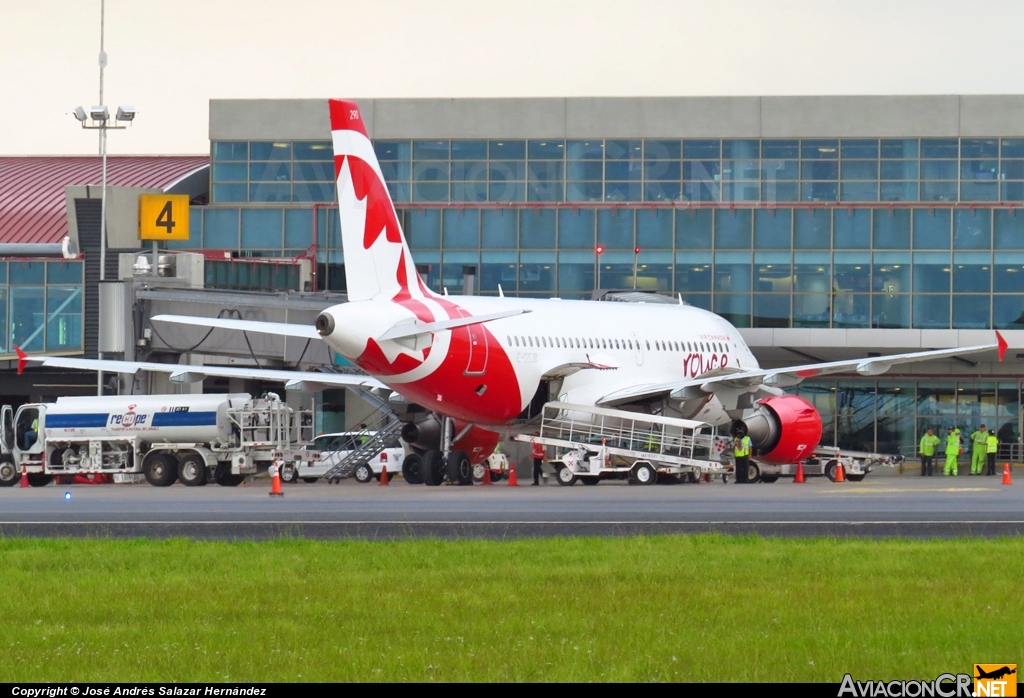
(784, 429)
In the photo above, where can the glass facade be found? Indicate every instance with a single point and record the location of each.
(691, 170)
(41, 306)
(890, 416)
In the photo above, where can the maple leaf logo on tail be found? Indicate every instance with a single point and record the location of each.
(378, 263)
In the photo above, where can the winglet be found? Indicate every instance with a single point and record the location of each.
(22, 359)
(1003, 344)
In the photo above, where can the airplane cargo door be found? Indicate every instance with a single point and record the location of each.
(639, 350)
(478, 349)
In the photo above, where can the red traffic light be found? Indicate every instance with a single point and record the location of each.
(599, 249)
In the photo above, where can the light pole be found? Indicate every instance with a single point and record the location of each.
(98, 118)
(597, 262)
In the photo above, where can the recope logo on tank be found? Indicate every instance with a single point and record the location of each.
(128, 419)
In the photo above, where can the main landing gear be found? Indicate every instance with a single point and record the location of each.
(436, 466)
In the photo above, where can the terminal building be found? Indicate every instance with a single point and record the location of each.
(823, 227)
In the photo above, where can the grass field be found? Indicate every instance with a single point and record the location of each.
(664, 608)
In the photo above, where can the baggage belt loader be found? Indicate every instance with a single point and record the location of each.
(159, 438)
(825, 460)
(597, 443)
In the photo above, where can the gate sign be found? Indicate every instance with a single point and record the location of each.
(163, 217)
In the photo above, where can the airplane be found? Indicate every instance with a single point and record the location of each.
(487, 364)
(996, 673)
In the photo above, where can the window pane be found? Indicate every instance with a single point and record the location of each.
(270, 150)
(229, 193)
(317, 172)
(461, 228)
(27, 316)
(899, 148)
(776, 148)
(890, 312)
(576, 229)
(979, 148)
(469, 150)
(498, 268)
(315, 150)
(860, 169)
(861, 148)
(230, 172)
(734, 307)
(27, 272)
(819, 149)
(230, 150)
(662, 191)
(64, 272)
(938, 169)
(590, 170)
(423, 228)
(315, 191)
(771, 310)
(536, 272)
(931, 272)
(430, 150)
(654, 229)
(741, 149)
(507, 150)
(892, 229)
(537, 228)
(780, 169)
(622, 191)
(972, 272)
(270, 192)
(392, 150)
(64, 318)
(979, 169)
(819, 191)
(693, 229)
(498, 228)
(585, 150)
(261, 228)
(469, 191)
(1008, 272)
(546, 150)
(938, 191)
(852, 228)
(575, 273)
(298, 228)
(1009, 229)
(701, 148)
(813, 228)
(859, 191)
(1012, 191)
(972, 229)
(772, 229)
(662, 150)
(1013, 148)
(819, 170)
(1008, 312)
(851, 310)
(584, 191)
(899, 169)
(939, 148)
(615, 228)
(931, 228)
(623, 170)
(741, 169)
(971, 312)
(732, 229)
(220, 229)
(899, 191)
(693, 273)
(979, 191)
(732, 271)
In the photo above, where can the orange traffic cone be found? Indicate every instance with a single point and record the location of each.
(512, 480)
(275, 481)
(840, 475)
(24, 477)
(1007, 477)
(384, 476)
(799, 474)
(487, 474)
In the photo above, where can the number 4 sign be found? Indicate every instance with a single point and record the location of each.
(163, 217)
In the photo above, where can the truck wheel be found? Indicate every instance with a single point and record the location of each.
(856, 477)
(160, 470)
(566, 477)
(8, 471)
(753, 472)
(192, 471)
(592, 480)
(310, 480)
(497, 476)
(830, 470)
(693, 477)
(478, 472)
(769, 479)
(460, 469)
(364, 473)
(644, 474)
(289, 473)
(39, 479)
(411, 468)
(432, 468)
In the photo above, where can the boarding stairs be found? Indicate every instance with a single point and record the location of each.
(381, 429)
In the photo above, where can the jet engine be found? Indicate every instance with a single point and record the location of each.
(783, 429)
(425, 435)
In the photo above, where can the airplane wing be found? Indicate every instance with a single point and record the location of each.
(741, 381)
(279, 328)
(306, 381)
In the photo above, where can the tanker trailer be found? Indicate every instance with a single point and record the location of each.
(192, 438)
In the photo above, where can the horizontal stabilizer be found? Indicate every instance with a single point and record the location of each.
(284, 329)
(413, 328)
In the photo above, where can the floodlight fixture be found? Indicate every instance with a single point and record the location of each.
(125, 114)
(99, 113)
(80, 114)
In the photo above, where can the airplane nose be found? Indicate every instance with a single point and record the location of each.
(325, 324)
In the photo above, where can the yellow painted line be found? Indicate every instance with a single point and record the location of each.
(903, 489)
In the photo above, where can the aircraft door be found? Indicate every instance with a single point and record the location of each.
(639, 350)
(478, 349)
(7, 430)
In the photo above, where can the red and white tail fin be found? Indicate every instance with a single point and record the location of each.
(378, 263)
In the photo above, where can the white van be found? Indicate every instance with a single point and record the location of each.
(333, 449)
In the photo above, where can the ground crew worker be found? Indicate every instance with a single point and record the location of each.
(30, 435)
(741, 448)
(363, 437)
(979, 446)
(927, 451)
(991, 447)
(952, 451)
(538, 460)
(652, 442)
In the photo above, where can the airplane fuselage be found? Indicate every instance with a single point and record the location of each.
(488, 373)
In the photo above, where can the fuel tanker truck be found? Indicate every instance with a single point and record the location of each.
(163, 438)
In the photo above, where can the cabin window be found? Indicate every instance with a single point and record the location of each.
(648, 343)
